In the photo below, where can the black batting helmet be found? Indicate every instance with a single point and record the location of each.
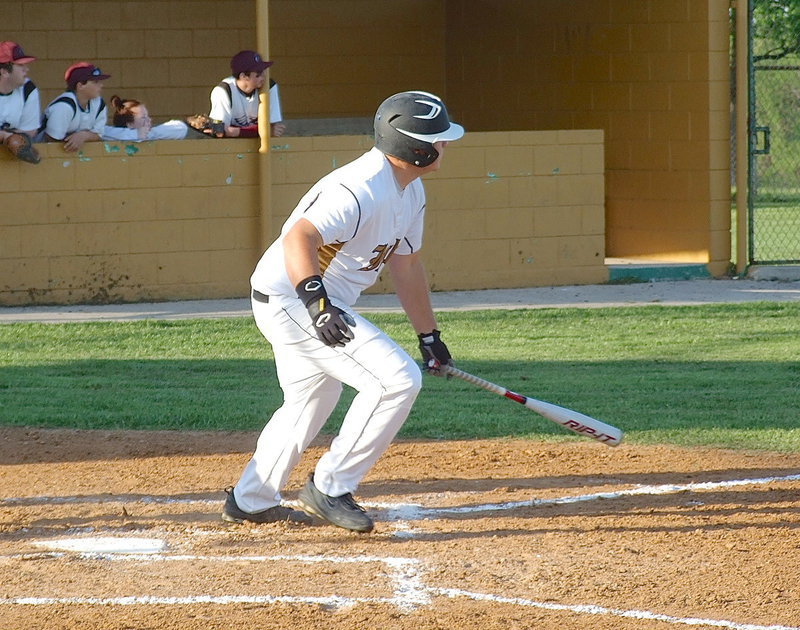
(407, 124)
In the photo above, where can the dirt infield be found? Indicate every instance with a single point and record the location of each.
(478, 534)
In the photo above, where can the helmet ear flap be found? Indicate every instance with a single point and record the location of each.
(424, 155)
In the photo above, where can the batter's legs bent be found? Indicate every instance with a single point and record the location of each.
(310, 374)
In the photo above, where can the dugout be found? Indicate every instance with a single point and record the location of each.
(597, 129)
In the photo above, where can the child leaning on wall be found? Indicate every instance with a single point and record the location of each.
(131, 123)
(79, 114)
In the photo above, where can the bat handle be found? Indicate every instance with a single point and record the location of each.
(475, 380)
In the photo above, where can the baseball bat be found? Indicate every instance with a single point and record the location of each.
(567, 418)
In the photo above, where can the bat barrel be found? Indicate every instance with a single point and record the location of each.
(567, 418)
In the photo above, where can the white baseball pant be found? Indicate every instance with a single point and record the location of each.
(311, 374)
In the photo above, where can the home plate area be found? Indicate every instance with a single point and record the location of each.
(122, 530)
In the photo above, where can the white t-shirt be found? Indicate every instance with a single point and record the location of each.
(363, 218)
(237, 109)
(170, 130)
(20, 108)
(64, 116)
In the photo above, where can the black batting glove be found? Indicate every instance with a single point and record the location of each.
(331, 323)
(434, 352)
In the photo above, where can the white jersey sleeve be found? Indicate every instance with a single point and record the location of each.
(20, 108)
(275, 113)
(335, 213)
(120, 134)
(170, 130)
(220, 105)
(98, 123)
(59, 115)
(30, 112)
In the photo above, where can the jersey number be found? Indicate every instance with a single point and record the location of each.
(382, 254)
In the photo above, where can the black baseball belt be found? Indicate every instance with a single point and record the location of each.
(260, 297)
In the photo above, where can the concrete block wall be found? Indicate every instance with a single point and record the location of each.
(342, 58)
(182, 219)
(512, 209)
(129, 222)
(653, 74)
(166, 53)
(332, 59)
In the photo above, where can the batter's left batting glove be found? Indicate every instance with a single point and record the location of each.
(331, 323)
(434, 352)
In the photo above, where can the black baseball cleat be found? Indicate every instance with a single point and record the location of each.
(278, 514)
(341, 511)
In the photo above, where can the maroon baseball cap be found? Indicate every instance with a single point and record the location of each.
(11, 52)
(248, 61)
(82, 72)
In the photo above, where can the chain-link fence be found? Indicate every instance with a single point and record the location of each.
(774, 217)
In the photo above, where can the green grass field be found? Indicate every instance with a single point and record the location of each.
(726, 375)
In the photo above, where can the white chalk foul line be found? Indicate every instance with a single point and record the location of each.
(409, 592)
(601, 610)
(411, 511)
(147, 600)
(119, 498)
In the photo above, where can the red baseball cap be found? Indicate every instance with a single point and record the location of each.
(82, 72)
(248, 61)
(11, 52)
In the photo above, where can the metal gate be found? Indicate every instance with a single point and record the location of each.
(774, 173)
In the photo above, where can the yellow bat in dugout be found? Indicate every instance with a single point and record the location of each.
(567, 418)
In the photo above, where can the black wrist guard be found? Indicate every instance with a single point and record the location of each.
(331, 324)
(311, 290)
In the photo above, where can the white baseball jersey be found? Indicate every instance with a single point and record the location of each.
(20, 108)
(237, 109)
(363, 217)
(64, 116)
(170, 130)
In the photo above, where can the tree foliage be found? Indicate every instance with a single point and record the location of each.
(776, 29)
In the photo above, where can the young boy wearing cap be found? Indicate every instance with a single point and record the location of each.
(234, 102)
(19, 97)
(78, 115)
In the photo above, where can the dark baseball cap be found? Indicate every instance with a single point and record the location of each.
(11, 52)
(248, 61)
(82, 72)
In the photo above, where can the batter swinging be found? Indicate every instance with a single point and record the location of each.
(362, 216)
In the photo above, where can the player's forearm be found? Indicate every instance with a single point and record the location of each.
(411, 286)
(300, 246)
(76, 140)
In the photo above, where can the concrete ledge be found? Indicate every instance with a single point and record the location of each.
(786, 273)
(653, 272)
(329, 126)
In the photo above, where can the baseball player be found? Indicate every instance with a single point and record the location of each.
(78, 115)
(234, 102)
(19, 103)
(362, 216)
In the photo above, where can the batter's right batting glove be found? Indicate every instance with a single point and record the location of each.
(331, 323)
(434, 352)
